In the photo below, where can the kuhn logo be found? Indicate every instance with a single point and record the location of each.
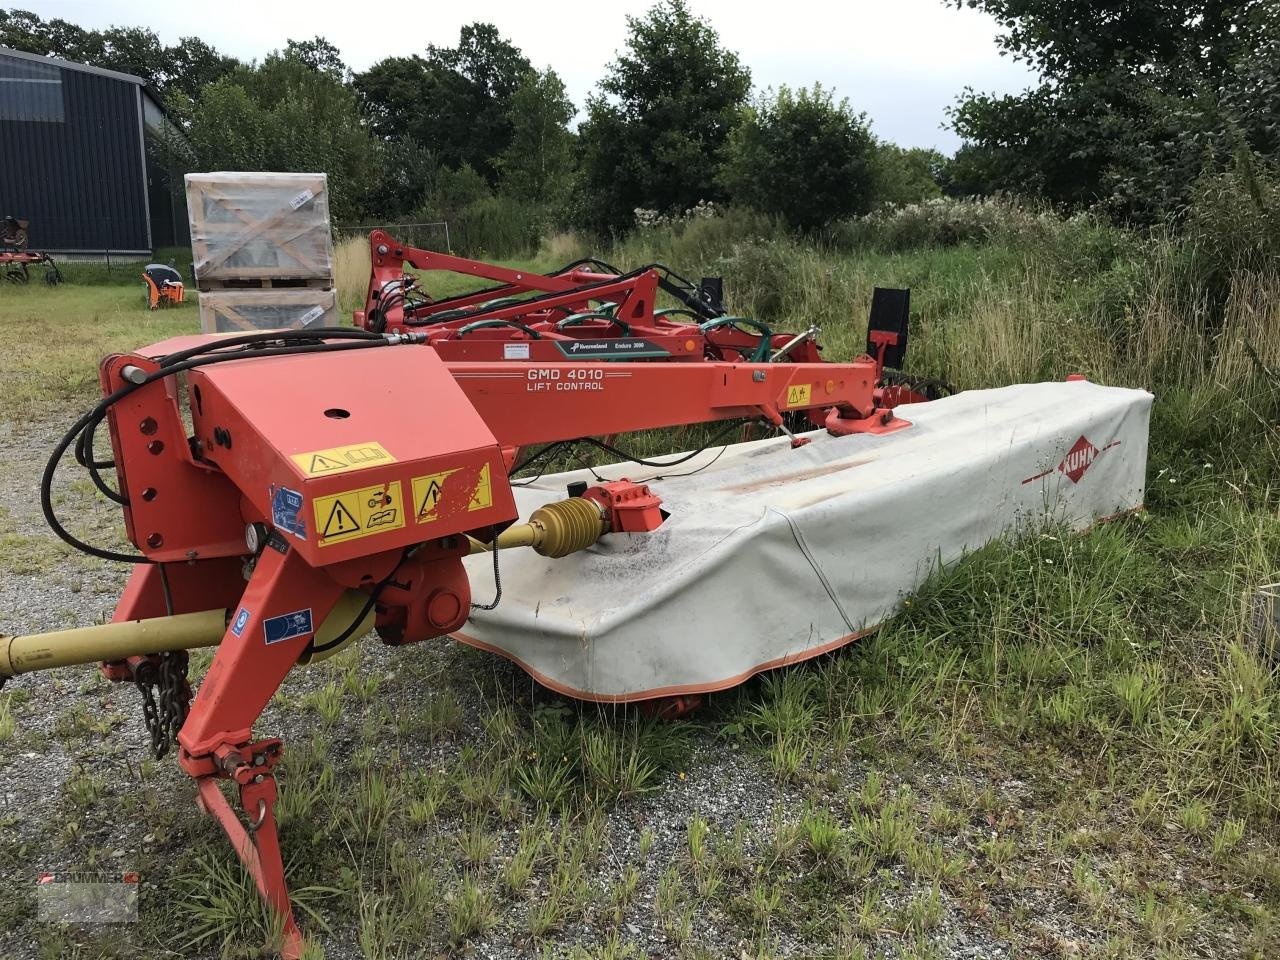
(1077, 461)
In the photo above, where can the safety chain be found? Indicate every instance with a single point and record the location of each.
(164, 719)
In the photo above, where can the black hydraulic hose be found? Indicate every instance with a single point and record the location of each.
(84, 456)
(615, 451)
(261, 339)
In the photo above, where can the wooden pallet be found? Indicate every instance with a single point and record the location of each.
(207, 284)
(259, 226)
(223, 311)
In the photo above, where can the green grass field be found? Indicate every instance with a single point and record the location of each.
(1066, 746)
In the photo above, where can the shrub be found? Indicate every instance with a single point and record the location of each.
(943, 222)
(802, 156)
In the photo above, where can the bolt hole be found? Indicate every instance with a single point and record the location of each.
(148, 426)
(155, 541)
(149, 494)
(155, 447)
(337, 413)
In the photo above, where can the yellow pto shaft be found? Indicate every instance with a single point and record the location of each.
(130, 638)
(554, 530)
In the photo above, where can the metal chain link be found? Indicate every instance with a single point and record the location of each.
(164, 719)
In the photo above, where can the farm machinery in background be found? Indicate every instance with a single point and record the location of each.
(338, 480)
(15, 258)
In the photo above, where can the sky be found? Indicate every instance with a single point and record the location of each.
(902, 62)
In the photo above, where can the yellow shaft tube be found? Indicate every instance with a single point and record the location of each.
(129, 638)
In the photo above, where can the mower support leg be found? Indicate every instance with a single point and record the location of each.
(258, 845)
(284, 602)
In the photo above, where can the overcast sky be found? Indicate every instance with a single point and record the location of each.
(901, 61)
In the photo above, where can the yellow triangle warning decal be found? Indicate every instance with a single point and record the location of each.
(430, 497)
(428, 491)
(340, 521)
(482, 497)
(322, 464)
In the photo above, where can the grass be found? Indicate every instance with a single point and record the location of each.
(1067, 744)
(53, 340)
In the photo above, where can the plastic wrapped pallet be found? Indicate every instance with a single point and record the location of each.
(259, 226)
(771, 555)
(224, 311)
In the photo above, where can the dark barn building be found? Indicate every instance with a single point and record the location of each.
(73, 157)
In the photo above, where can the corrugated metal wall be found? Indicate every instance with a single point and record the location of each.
(71, 157)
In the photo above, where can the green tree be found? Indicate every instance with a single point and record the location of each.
(286, 115)
(192, 65)
(455, 101)
(318, 54)
(1139, 99)
(655, 134)
(802, 156)
(537, 164)
(902, 175)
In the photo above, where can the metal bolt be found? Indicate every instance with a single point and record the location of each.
(382, 249)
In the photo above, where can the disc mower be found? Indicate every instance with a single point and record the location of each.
(348, 479)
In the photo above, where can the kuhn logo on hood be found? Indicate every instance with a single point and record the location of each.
(1077, 461)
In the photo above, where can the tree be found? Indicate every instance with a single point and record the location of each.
(318, 54)
(193, 65)
(656, 132)
(802, 156)
(455, 101)
(537, 164)
(286, 115)
(1139, 99)
(906, 175)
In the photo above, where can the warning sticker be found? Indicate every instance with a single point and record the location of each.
(354, 456)
(482, 497)
(427, 492)
(799, 394)
(358, 513)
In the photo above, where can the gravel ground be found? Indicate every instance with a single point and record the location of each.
(143, 813)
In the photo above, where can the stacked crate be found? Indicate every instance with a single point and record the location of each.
(262, 251)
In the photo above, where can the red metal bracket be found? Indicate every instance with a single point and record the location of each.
(630, 507)
(882, 420)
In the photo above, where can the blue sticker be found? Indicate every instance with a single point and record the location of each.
(286, 511)
(241, 619)
(287, 626)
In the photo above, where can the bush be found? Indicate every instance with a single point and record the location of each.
(942, 222)
(803, 157)
(499, 227)
(900, 176)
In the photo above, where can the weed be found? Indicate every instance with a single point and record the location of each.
(1227, 837)
(823, 837)
(469, 911)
